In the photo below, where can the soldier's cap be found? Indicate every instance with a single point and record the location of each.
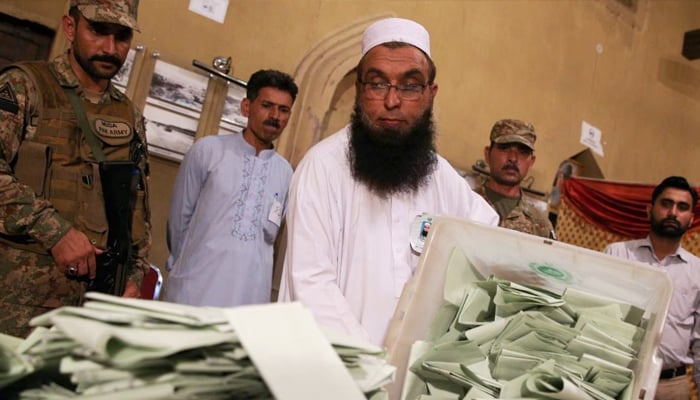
(396, 30)
(121, 12)
(514, 131)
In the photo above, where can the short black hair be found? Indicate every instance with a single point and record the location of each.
(676, 182)
(270, 78)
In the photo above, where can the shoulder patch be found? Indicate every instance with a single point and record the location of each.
(8, 100)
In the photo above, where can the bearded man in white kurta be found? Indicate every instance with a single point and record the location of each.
(356, 194)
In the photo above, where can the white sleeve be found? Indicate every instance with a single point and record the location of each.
(481, 210)
(695, 342)
(695, 346)
(311, 265)
(188, 184)
(610, 250)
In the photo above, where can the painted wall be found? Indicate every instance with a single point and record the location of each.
(553, 63)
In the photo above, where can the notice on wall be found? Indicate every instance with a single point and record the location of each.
(212, 9)
(591, 138)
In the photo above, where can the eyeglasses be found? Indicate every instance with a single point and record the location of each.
(379, 90)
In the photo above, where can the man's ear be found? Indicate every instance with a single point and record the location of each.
(487, 150)
(649, 210)
(245, 107)
(69, 26)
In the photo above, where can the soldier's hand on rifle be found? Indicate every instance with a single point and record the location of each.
(75, 255)
(131, 290)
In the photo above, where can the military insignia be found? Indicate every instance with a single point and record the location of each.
(8, 100)
(112, 129)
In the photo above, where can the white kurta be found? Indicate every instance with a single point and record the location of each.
(348, 253)
(226, 209)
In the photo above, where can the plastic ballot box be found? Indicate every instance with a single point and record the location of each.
(536, 262)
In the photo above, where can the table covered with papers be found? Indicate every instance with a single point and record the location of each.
(116, 348)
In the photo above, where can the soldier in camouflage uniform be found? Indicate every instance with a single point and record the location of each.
(52, 219)
(510, 156)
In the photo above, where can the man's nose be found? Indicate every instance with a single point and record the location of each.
(274, 113)
(109, 44)
(392, 99)
(673, 210)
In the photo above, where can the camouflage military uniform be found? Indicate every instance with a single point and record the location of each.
(30, 281)
(525, 217)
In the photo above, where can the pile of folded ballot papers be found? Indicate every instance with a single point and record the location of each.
(492, 313)
(117, 348)
(508, 340)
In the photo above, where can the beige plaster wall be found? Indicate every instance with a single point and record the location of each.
(535, 60)
(531, 59)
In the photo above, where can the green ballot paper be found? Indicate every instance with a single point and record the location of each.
(119, 348)
(514, 341)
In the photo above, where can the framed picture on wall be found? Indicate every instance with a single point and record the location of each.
(121, 79)
(170, 134)
(176, 87)
(232, 108)
(174, 105)
(228, 129)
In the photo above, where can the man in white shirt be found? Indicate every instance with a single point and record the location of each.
(356, 195)
(228, 202)
(671, 214)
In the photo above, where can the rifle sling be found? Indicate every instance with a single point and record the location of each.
(85, 125)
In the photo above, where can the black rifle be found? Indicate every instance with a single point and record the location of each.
(119, 180)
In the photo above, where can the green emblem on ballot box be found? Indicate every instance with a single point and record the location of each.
(549, 271)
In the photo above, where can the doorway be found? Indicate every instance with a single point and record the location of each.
(23, 40)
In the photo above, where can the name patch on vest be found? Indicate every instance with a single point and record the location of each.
(111, 129)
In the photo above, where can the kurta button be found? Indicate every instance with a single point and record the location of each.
(93, 241)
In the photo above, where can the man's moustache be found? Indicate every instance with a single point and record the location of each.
(272, 122)
(671, 220)
(513, 167)
(109, 59)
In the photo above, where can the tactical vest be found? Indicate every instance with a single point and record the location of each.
(525, 217)
(58, 164)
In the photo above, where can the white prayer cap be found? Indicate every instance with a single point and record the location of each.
(396, 30)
